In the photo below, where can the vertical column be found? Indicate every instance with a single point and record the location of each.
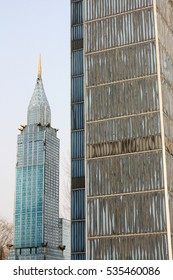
(164, 60)
(77, 133)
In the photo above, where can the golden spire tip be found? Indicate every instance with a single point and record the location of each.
(39, 68)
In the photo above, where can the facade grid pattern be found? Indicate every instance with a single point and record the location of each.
(77, 134)
(127, 140)
(38, 233)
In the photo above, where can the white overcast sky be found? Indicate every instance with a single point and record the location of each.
(28, 28)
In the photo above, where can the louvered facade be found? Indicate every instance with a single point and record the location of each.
(128, 97)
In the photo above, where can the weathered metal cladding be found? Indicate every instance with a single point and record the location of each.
(165, 36)
(136, 247)
(132, 173)
(125, 183)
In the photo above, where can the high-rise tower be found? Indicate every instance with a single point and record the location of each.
(37, 224)
(128, 77)
(77, 133)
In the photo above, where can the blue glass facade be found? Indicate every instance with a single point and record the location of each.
(29, 188)
(77, 133)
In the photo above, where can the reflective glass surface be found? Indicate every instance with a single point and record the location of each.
(39, 109)
(77, 133)
(37, 194)
(29, 188)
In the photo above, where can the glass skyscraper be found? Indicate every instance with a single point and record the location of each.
(38, 234)
(128, 121)
(77, 133)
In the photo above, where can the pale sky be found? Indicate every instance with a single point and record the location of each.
(28, 28)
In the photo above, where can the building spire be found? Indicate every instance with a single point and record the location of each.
(39, 68)
(39, 109)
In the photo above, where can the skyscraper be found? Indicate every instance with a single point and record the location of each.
(38, 229)
(77, 133)
(128, 77)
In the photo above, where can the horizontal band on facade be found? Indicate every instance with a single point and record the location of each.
(78, 253)
(118, 14)
(78, 158)
(125, 146)
(78, 75)
(123, 81)
(77, 130)
(123, 194)
(77, 102)
(78, 183)
(79, 189)
(125, 154)
(77, 44)
(120, 47)
(127, 235)
(123, 116)
(78, 220)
